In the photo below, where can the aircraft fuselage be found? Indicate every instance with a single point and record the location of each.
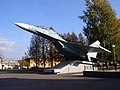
(72, 51)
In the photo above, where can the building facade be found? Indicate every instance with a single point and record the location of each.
(30, 62)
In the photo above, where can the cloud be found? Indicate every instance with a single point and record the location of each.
(5, 44)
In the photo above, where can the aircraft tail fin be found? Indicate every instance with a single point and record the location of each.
(96, 44)
(93, 54)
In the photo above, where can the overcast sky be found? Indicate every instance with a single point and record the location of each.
(61, 14)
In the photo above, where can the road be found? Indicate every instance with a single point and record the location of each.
(56, 82)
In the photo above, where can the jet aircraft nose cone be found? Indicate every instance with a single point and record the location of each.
(22, 25)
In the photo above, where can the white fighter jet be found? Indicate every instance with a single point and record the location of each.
(69, 50)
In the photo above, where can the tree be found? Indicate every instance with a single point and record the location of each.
(68, 38)
(53, 53)
(74, 37)
(23, 62)
(101, 23)
(35, 48)
(81, 39)
(44, 48)
(1, 55)
(117, 48)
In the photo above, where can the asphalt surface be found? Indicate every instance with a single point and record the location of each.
(56, 82)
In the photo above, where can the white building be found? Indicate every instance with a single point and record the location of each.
(8, 64)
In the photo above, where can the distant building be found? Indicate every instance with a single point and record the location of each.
(30, 62)
(9, 64)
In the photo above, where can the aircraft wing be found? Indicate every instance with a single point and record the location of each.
(87, 49)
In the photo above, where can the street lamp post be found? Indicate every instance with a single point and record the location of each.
(114, 56)
(114, 51)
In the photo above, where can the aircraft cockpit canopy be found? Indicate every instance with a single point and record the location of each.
(43, 27)
(51, 28)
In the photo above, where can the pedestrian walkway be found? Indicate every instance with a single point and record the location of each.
(56, 82)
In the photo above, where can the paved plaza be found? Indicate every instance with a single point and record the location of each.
(56, 82)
